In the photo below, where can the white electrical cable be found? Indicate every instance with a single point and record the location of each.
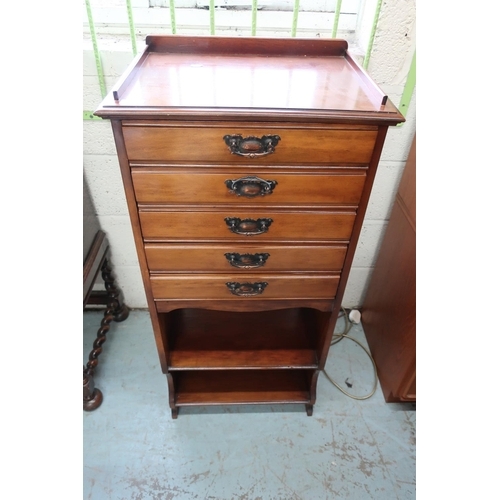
(337, 338)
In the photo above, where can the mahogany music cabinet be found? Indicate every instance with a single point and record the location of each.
(247, 165)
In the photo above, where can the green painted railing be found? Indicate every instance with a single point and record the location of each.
(173, 26)
(254, 17)
(336, 19)
(372, 34)
(130, 16)
(97, 54)
(410, 82)
(295, 17)
(212, 17)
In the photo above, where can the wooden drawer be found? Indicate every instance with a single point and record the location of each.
(157, 185)
(215, 225)
(202, 286)
(206, 144)
(244, 257)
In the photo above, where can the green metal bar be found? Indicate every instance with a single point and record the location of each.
(97, 55)
(295, 17)
(212, 17)
(132, 27)
(172, 17)
(411, 81)
(89, 115)
(254, 17)
(372, 34)
(336, 19)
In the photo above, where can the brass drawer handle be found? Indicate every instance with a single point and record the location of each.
(246, 289)
(248, 227)
(251, 146)
(247, 260)
(250, 186)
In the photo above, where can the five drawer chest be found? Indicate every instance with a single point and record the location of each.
(247, 165)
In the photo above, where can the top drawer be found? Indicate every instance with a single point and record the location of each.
(212, 144)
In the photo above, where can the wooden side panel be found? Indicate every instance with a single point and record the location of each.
(326, 338)
(389, 310)
(159, 324)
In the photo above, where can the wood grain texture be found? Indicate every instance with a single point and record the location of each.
(389, 309)
(207, 286)
(183, 44)
(183, 185)
(93, 263)
(351, 249)
(178, 257)
(190, 198)
(211, 225)
(240, 387)
(205, 144)
(264, 340)
(243, 73)
(254, 305)
(157, 323)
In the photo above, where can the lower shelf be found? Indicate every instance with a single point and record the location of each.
(243, 358)
(221, 387)
(209, 340)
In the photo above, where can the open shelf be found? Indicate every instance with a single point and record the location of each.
(241, 387)
(217, 340)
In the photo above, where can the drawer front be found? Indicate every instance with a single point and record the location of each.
(203, 186)
(242, 226)
(244, 258)
(243, 287)
(207, 145)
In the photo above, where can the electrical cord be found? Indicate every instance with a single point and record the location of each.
(336, 339)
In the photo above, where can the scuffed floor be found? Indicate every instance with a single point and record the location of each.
(348, 449)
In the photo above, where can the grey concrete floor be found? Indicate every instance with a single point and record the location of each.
(132, 449)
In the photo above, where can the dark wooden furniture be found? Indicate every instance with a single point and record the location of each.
(247, 165)
(97, 261)
(389, 310)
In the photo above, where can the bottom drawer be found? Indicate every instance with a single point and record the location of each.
(246, 286)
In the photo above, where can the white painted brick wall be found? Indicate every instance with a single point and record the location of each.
(392, 52)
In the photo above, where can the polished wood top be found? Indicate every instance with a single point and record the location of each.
(241, 76)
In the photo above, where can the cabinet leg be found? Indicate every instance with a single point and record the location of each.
(309, 410)
(175, 412)
(92, 397)
(88, 371)
(120, 310)
(115, 311)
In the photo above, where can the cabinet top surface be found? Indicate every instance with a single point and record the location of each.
(191, 76)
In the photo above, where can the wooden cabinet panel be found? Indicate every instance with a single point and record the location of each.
(207, 145)
(248, 343)
(278, 180)
(218, 387)
(168, 185)
(242, 257)
(389, 309)
(263, 225)
(246, 286)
